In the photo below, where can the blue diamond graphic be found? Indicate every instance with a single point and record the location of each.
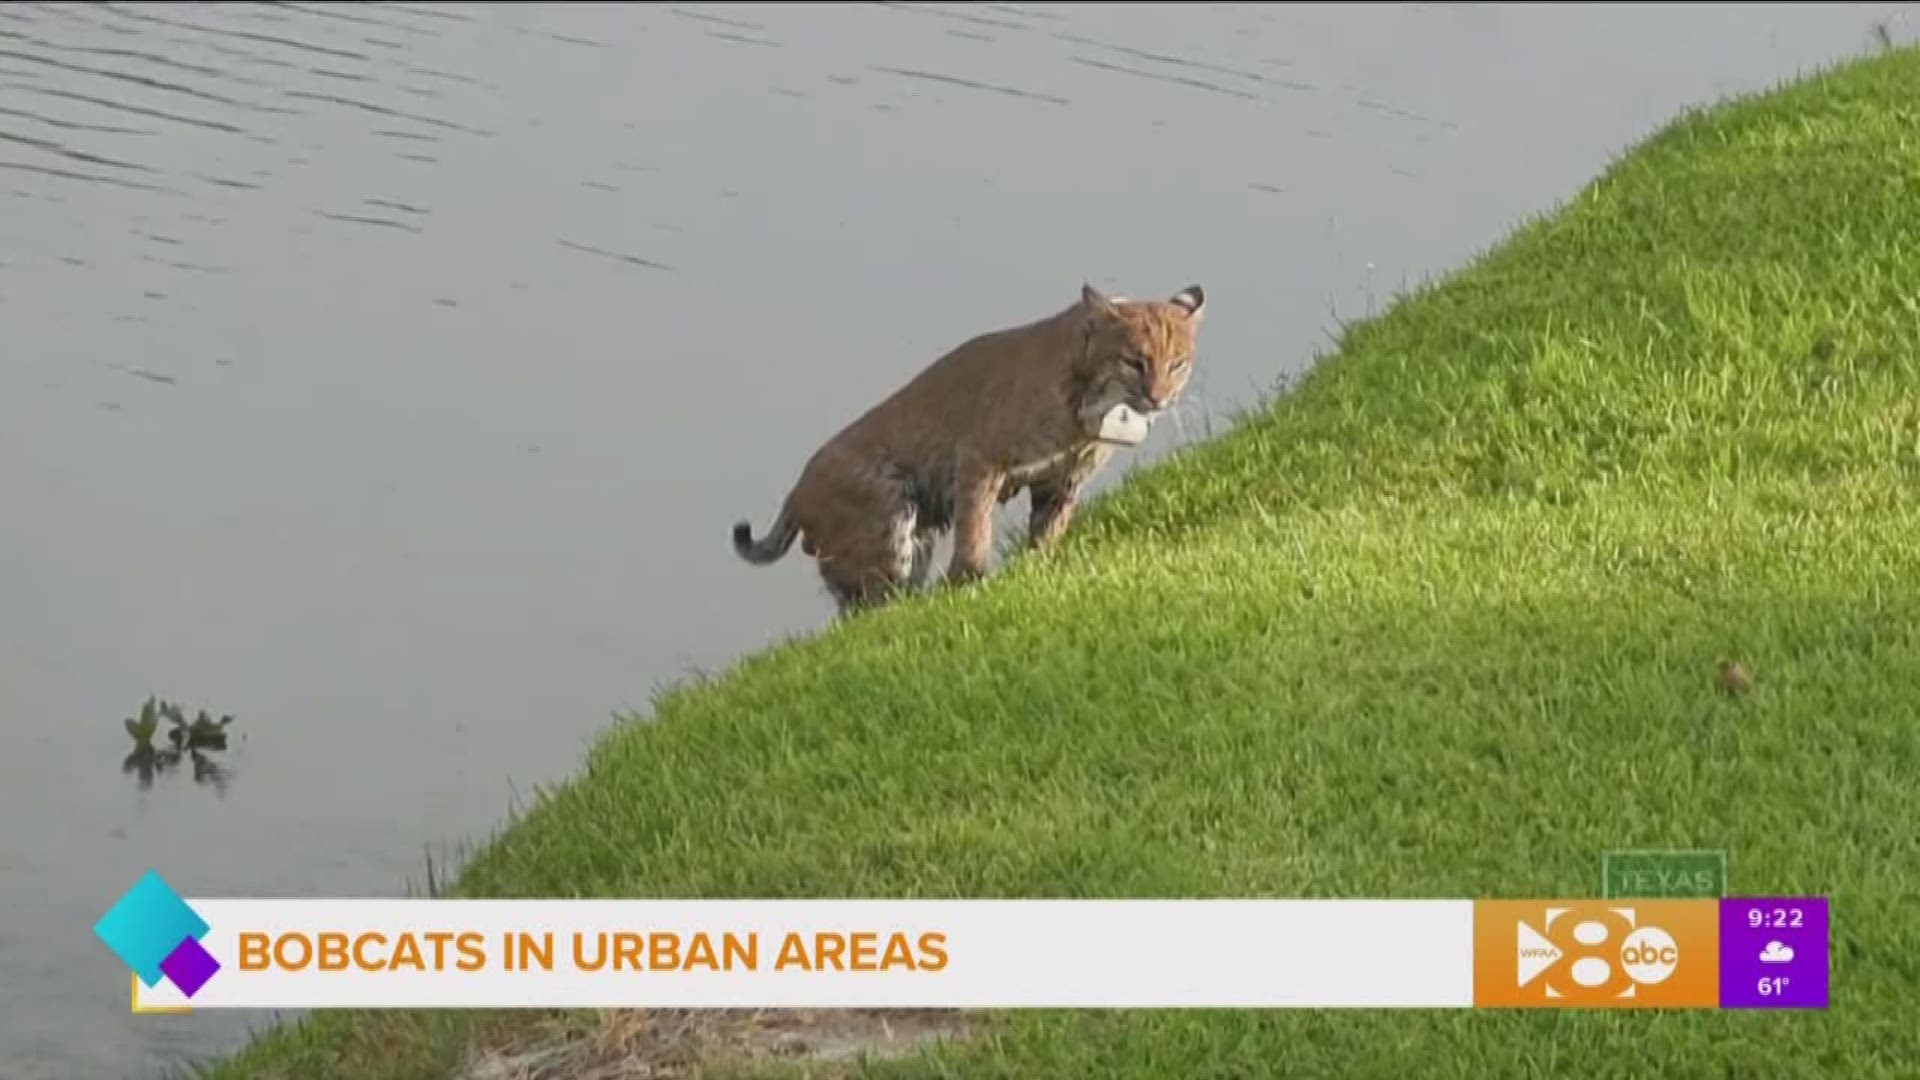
(147, 925)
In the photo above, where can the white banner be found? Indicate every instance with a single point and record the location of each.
(317, 954)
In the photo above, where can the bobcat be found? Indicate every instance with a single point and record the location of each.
(1008, 410)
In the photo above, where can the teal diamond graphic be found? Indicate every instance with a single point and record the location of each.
(146, 926)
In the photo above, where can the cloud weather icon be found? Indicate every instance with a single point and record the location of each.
(1776, 953)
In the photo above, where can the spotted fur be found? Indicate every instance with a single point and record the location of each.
(1006, 411)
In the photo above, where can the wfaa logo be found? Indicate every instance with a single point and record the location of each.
(157, 935)
(1597, 954)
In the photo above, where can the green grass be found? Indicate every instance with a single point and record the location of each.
(1443, 621)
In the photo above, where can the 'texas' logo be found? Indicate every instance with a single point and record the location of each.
(1596, 954)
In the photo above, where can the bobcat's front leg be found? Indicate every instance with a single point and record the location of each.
(1051, 511)
(976, 492)
(1054, 499)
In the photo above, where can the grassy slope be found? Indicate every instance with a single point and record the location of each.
(1441, 622)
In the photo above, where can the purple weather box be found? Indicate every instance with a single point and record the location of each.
(1773, 952)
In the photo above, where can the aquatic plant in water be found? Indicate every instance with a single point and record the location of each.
(189, 740)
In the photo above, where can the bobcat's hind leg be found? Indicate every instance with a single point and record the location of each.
(922, 569)
(873, 560)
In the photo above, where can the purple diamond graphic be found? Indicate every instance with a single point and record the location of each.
(189, 966)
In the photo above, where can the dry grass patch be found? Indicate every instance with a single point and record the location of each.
(669, 1044)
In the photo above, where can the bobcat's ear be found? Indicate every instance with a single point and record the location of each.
(1193, 299)
(1095, 302)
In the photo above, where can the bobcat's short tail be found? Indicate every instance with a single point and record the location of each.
(768, 548)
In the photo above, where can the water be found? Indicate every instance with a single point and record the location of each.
(389, 376)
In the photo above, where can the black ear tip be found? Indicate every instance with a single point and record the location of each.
(1192, 297)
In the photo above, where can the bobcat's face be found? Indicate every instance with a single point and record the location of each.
(1143, 348)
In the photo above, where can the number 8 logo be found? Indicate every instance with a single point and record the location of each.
(1606, 954)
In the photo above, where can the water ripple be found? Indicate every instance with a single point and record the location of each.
(69, 174)
(738, 24)
(120, 76)
(978, 20)
(385, 223)
(1028, 13)
(1163, 58)
(225, 182)
(345, 76)
(74, 125)
(250, 56)
(384, 111)
(270, 39)
(391, 204)
(137, 110)
(304, 9)
(1180, 80)
(133, 54)
(432, 73)
(605, 254)
(173, 264)
(52, 147)
(430, 13)
(723, 35)
(1391, 110)
(972, 84)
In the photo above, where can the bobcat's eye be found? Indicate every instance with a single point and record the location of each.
(1138, 363)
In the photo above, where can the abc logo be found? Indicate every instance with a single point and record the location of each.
(1649, 955)
(1598, 952)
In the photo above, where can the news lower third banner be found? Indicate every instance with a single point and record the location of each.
(192, 954)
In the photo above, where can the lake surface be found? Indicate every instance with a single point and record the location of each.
(389, 376)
